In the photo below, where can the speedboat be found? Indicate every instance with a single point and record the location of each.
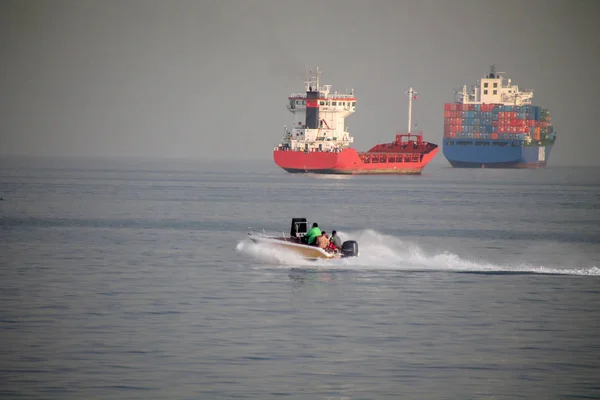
(296, 242)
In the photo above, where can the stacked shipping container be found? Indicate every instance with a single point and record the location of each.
(497, 122)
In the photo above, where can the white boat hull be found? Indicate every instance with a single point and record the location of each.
(302, 250)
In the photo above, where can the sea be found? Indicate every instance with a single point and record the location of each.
(135, 279)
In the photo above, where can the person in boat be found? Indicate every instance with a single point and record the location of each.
(323, 240)
(335, 241)
(313, 233)
(331, 248)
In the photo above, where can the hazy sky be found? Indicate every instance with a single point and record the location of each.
(210, 78)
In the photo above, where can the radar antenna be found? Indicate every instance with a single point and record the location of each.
(313, 79)
(495, 74)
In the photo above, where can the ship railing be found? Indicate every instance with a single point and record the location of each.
(385, 157)
(282, 148)
(334, 149)
(336, 95)
(322, 95)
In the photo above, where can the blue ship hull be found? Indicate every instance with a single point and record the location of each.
(488, 154)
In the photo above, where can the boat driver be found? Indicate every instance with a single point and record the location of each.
(313, 233)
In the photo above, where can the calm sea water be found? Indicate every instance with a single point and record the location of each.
(134, 279)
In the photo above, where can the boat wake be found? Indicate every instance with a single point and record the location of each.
(384, 252)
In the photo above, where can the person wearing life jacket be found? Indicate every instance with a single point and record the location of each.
(313, 233)
(331, 248)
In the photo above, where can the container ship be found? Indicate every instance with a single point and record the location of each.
(319, 141)
(495, 125)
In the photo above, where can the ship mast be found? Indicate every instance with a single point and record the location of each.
(313, 79)
(318, 89)
(411, 94)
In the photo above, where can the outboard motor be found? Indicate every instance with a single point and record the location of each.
(350, 248)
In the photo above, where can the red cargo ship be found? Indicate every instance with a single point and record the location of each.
(319, 142)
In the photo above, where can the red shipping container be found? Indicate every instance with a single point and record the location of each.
(459, 107)
(447, 107)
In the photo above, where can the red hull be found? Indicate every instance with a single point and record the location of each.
(349, 161)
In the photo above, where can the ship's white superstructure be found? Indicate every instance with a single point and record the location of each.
(494, 89)
(319, 118)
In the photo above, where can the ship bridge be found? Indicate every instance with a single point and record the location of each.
(494, 88)
(319, 118)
